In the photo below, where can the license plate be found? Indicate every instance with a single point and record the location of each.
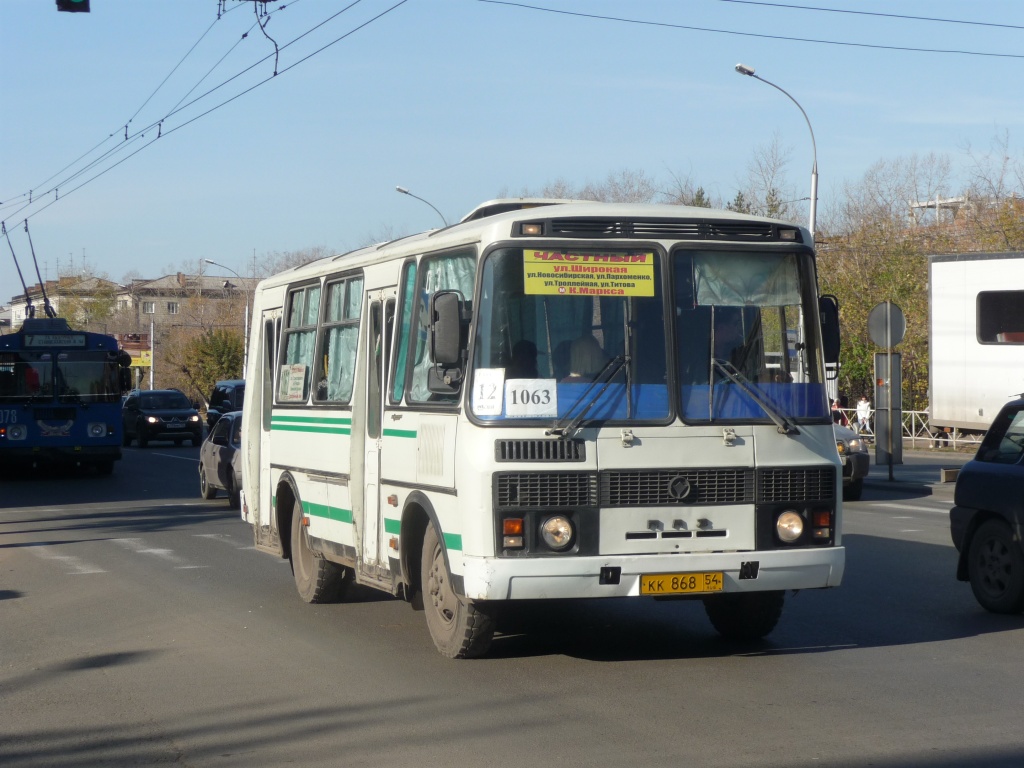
(680, 583)
(176, 426)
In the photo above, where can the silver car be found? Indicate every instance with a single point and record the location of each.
(853, 451)
(220, 459)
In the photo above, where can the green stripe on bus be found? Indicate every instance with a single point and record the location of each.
(314, 429)
(392, 526)
(453, 541)
(327, 512)
(280, 418)
(400, 433)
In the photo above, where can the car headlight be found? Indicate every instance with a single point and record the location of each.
(557, 532)
(858, 446)
(96, 429)
(152, 419)
(789, 526)
(194, 417)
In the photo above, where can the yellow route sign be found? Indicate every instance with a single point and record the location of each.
(588, 273)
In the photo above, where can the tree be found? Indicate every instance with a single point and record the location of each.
(211, 356)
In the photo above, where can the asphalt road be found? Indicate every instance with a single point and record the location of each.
(139, 627)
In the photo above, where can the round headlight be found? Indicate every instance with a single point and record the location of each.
(17, 432)
(152, 419)
(96, 429)
(557, 532)
(789, 526)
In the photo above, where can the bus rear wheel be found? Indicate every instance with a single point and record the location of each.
(317, 580)
(460, 629)
(745, 616)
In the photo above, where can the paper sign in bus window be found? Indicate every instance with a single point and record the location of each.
(531, 398)
(588, 273)
(488, 387)
(293, 383)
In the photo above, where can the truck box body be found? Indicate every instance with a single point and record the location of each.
(976, 337)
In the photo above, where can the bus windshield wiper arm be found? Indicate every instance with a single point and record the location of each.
(733, 374)
(603, 380)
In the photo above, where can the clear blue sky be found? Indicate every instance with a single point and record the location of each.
(457, 100)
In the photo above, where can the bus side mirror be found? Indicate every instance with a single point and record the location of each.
(447, 333)
(828, 307)
(125, 376)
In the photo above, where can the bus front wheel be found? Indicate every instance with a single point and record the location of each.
(745, 616)
(460, 629)
(317, 580)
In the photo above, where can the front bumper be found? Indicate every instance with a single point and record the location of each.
(581, 577)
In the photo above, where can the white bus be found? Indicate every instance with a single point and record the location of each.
(550, 400)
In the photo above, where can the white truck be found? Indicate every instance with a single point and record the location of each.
(976, 337)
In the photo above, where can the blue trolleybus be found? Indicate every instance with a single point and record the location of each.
(60, 396)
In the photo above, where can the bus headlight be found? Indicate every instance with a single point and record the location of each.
(96, 429)
(17, 432)
(789, 526)
(557, 532)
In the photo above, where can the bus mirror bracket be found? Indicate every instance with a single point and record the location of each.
(448, 331)
(828, 307)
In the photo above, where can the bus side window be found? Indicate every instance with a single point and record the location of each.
(401, 368)
(298, 344)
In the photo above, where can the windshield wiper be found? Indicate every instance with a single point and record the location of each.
(733, 374)
(604, 379)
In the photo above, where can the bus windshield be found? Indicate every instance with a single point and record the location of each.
(593, 334)
(26, 375)
(87, 376)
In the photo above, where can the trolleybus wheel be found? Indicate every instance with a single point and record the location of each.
(461, 629)
(317, 580)
(745, 615)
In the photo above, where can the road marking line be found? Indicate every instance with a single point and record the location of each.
(223, 537)
(138, 546)
(911, 507)
(78, 566)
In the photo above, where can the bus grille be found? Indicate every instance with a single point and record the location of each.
(812, 484)
(708, 229)
(665, 487)
(540, 450)
(545, 489)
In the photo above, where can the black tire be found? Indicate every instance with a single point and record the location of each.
(995, 566)
(126, 439)
(316, 579)
(206, 490)
(105, 467)
(460, 629)
(234, 497)
(195, 441)
(745, 616)
(854, 490)
(141, 437)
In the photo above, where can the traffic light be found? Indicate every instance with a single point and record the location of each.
(73, 6)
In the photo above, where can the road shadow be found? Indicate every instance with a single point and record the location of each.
(115, 523)
(893, 593)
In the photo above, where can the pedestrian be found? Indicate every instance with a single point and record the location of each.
(864, 414)
(838, 417)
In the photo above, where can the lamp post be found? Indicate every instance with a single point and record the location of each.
(405, 191)
(749, 72)
(245, 321)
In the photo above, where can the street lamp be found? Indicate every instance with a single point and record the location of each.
(405, 191)
(245, 322)
(749, 72)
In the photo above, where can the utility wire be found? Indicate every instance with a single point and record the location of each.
(226, 101)
(874, 13)
(750, 34)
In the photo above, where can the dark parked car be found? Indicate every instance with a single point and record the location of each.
(988, 514)
(220, 459)
(160, 414)
(227, 396)
(853, 450)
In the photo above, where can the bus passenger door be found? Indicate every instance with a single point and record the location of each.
(380, 315)
(259, 489)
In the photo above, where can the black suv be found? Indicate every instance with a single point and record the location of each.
(227, 396)
(160, 414)
(986, 521)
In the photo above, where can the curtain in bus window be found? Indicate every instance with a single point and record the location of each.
(445, 273)
(746, 278)
(404, 329)
(337, 358)
(341, 352)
